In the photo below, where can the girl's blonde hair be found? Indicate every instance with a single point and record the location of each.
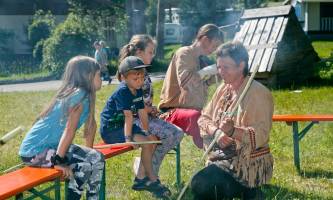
(79, 74)
(137, 42)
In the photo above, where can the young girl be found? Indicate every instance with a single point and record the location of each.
(117, 119)
(143, 47)
(184, 92)
(49, 141)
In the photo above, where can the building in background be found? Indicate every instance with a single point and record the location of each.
(315, 16)
(173, 30)
(15, 16)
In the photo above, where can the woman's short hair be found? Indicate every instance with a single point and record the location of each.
(237, 52)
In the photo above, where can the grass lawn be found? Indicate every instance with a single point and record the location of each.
(315, 181)
(323, 48)
(30, 76)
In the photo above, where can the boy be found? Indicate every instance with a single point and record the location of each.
(117, 119)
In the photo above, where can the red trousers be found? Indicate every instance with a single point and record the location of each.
(186, 119)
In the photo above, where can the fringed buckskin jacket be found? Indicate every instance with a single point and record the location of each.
(251, 162)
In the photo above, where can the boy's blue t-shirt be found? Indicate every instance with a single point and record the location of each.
(46, 132)
(112, 116)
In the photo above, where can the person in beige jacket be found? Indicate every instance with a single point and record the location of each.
(240, 161)
(184, 92)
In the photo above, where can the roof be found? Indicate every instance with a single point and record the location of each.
(261, 31)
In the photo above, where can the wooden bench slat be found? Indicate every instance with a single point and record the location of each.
(293, 118)
(24, 179)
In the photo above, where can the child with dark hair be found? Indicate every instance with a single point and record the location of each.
(117, 120)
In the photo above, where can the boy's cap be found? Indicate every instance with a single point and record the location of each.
(131, 63)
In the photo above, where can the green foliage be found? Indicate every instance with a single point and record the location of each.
(324, 68)
(158, 65)
(41, 26)
(11, 64)
(73, 37)
(161, 65)
(198, 13)
(102, 11)
(38, 50)
(39, 30)
(151, 17)
(169, 50)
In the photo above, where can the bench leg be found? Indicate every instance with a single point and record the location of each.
(102, 189)
(178, 170)
(66, 189)
(19, 196)
(57, 189)
(296, 146)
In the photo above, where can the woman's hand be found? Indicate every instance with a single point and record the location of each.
(66, 171)
(227, 126)
(152, 110)
(224, 140)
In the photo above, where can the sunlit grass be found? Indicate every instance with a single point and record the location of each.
(316, 152)
(323, 48)
(29, 76)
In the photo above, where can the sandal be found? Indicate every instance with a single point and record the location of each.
(140, 184)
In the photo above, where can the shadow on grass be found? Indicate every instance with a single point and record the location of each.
(318, 173)
(270, 192)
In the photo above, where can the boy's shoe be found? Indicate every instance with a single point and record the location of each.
(158, 190)
(140, 184)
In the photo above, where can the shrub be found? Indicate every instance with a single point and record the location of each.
(158, 65)
(41, 26)
(73, 37)
(39, 30)
(325, 70)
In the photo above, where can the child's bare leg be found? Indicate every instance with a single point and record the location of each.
(153, 138)
(145, 167)
(141, 171)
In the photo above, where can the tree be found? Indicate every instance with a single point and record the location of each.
(109, 14)
(252, 3)
(39, 30)
(135, 10)
(72, 37)
(160, 30)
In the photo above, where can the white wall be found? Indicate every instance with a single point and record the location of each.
(313, 16)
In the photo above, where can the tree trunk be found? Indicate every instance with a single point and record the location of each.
(160, 30)
(135, 10)
(129, 12)
(139, 24)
